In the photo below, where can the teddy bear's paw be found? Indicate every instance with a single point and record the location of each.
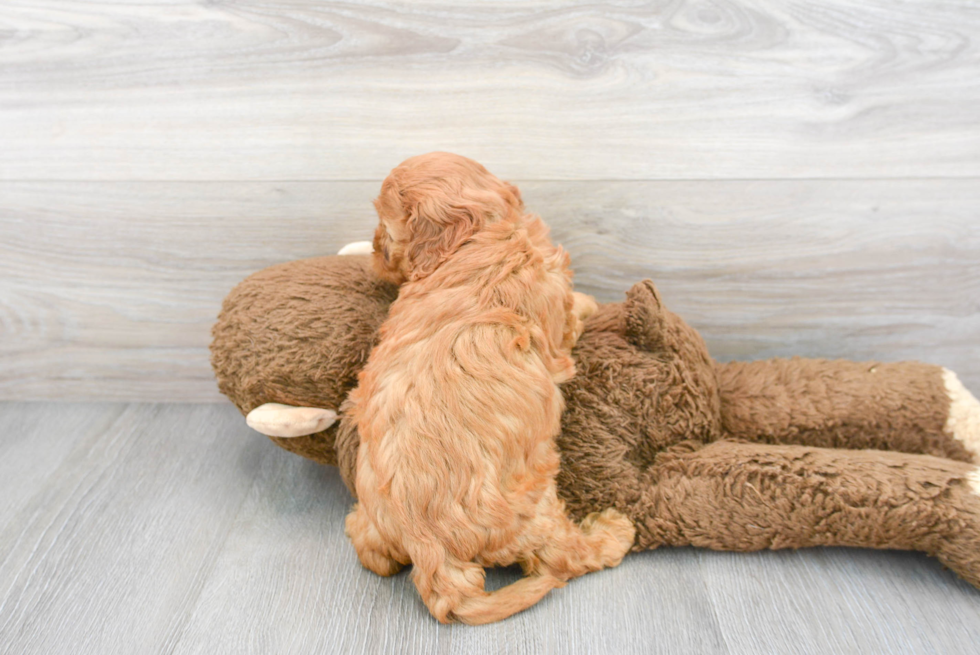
(357, 248)
(277, 420)
(616, 531)
(963, 420)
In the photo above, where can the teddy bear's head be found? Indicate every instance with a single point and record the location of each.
(297, 334)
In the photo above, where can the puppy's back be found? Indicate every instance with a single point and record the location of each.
(458, 406)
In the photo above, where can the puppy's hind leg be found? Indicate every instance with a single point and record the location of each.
(453, 590)
(374, 553)
(600, 541)
(611, 533)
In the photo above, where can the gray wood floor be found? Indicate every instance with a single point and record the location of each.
(153, 528)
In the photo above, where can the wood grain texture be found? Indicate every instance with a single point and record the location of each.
(25, 464)
(837, 600)
(304, 90)
(175, 529)
(110, 551)
(109, 290)
(814, 189)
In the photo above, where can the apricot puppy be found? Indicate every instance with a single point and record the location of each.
(458, 406)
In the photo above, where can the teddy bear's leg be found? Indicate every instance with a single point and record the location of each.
(745, 497)
(375, 554)
(905, 406)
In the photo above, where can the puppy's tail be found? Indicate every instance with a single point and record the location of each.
(497, 605)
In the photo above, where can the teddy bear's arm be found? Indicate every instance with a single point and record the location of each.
(746, 497)
(278, 420)
(357, 248)
(905, 406)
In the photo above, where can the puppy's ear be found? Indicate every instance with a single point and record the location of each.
(438, 231)
(514, 199)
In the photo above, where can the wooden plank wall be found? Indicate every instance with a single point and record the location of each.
(798, 178)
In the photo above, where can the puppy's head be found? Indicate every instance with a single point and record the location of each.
(429, 206)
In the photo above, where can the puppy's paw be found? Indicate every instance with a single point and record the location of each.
(583, 305)
(376, 562)
(616, 534)
(371, 550)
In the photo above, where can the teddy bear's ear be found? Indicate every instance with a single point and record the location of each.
(644, 316)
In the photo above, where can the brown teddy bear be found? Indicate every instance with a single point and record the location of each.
(740, 456)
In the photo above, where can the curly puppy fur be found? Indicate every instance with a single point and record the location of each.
(458, 406)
